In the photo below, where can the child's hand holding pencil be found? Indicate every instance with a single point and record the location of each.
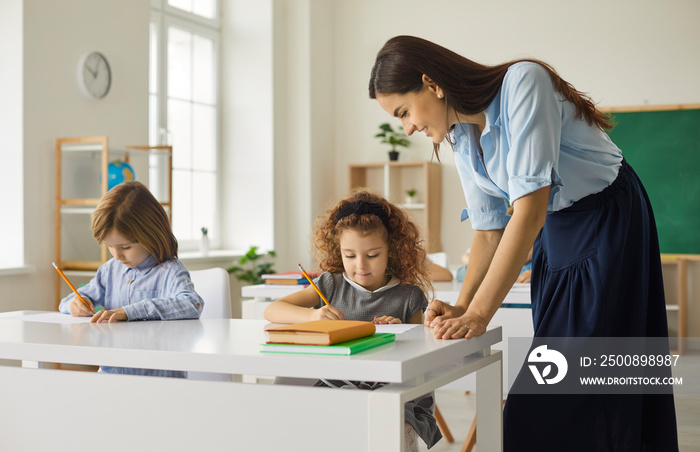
(327, 312)
(78, 309)
(80, 306)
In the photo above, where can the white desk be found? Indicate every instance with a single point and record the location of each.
(41, 409)
(514, 316)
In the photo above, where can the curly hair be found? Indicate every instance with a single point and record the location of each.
(407, 261)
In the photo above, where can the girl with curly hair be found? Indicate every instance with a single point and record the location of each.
(374, 269)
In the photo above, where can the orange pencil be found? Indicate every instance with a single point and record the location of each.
(318, 291)
(71, 285)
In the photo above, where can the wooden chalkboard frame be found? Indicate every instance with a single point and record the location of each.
(662, 143)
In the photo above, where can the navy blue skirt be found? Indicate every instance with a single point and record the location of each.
(596, 272)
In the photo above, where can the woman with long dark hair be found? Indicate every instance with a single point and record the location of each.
(522, 135)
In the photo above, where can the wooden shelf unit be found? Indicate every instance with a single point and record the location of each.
(69, 204)
(392, 179)
(681, 306)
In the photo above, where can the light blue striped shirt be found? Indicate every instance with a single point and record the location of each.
(150, 291)
(532, 139)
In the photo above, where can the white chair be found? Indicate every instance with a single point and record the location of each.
(212, 284)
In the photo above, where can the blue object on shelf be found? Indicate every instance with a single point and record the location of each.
(117, 172)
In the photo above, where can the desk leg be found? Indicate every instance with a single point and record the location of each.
(386, 422)
(489, 406)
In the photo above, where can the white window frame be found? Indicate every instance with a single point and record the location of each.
(12, 230)
(164, 17)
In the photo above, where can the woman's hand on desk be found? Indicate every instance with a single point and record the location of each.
(439, 311)
(111, 316)
(466, 326)
(451, 322)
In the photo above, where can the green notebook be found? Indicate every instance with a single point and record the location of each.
(344, 348)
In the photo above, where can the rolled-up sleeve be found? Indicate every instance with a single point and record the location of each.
(534, 112)
(485, 212)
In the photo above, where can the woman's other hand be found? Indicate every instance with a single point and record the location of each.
(439, 311)
(524, 277)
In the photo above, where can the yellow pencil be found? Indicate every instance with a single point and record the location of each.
(71, 285)
(318, 291)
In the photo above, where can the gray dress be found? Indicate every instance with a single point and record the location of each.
(397, 300)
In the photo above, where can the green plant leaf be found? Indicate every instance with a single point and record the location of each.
(250, 271)
(389, 136)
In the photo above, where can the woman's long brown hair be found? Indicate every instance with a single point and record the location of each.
(469, 87)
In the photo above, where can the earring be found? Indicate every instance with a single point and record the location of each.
(439, 96)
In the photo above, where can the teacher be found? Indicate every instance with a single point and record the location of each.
(522, 135)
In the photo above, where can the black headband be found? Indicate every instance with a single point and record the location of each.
(363, 208)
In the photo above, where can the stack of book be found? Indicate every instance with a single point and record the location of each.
(288, 278)
(325, 337)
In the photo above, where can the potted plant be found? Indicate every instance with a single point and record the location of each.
(410, 195)
(204, 244)
(394, 138)
(249, 270)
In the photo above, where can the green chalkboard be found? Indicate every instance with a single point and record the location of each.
(663, 147)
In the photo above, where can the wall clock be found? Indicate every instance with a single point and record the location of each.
(94, 75)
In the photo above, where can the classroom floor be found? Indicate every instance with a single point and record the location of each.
(458, 411)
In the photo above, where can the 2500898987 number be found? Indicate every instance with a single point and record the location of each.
(638, 360)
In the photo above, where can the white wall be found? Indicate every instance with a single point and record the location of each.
(247, 123)
(304, 130)
(55, 35)
(11, 182)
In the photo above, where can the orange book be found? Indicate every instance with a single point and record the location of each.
(320, 332)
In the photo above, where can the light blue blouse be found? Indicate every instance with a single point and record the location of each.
(532, 139)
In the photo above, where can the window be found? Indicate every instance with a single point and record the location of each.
(184, 110)
(11, 130)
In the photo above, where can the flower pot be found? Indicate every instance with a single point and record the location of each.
(393, 155)
(204, 245)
